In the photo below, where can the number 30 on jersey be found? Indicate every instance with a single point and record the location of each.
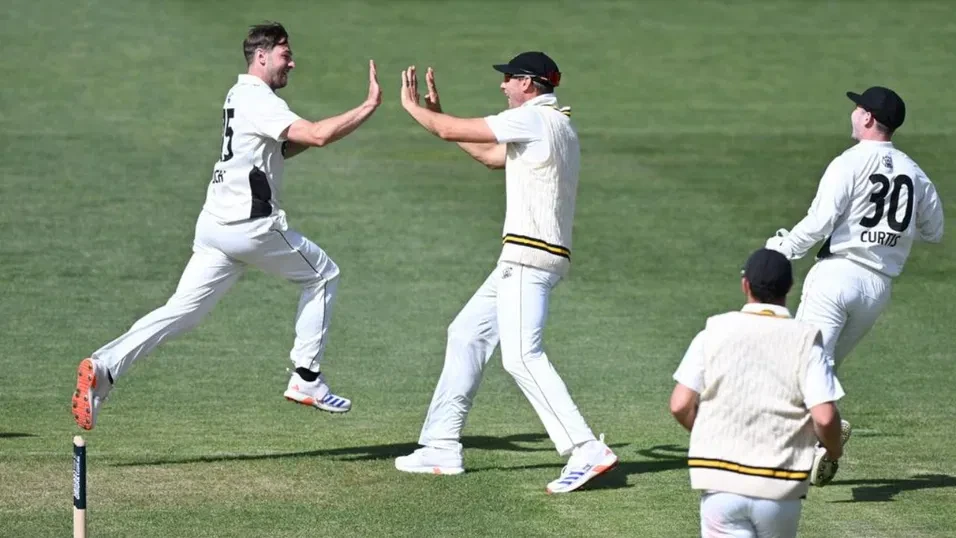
(892, 189)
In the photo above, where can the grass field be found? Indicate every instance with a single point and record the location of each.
(704, 125)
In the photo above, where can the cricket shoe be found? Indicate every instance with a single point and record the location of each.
(92, 388)
(586, 462)
(316, 394)
(824, 469)
(432, 460)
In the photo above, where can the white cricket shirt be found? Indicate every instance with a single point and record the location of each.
(873, 202)
(820, 384)
(248, 176)
(542, 164)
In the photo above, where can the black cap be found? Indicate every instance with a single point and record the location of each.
(885, 105)
(537, 65)
(769, 273)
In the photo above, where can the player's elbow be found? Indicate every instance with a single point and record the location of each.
(446, 133)
(309, 134)
(320, 140)
(825, 415)
(683, 401)
(492, 164)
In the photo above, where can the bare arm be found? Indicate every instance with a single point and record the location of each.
(444, 126)
(826, 424)
(684, 402)
(490, 154)
(304, 134)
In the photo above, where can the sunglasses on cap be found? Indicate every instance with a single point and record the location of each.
(509, 76)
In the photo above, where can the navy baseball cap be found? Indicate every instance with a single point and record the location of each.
(769, 272)
(885, 105)
(534, 64)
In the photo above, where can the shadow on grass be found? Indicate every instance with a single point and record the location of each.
(15, 435)
(660, 458)
(364, 453)
(884, 489)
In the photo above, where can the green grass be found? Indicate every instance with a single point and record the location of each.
(704, 128)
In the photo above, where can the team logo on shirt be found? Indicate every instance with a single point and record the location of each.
(506, 272)
(888, 162)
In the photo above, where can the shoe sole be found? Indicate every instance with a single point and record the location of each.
(431, 470)
(595, 471)
(83, 395)
(309, 401)
(845, 431)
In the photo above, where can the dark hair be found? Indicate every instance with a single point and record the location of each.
(883, 129)
(768, 293)
(542, 87)
(263, 36)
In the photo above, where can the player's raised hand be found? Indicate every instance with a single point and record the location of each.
(432, 101)
(409, 88)
(374, 91)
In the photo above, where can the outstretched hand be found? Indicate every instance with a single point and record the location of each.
(409, 88)
(374, 91)
(432, 101)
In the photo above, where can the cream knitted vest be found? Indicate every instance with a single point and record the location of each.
(753, 435)
(540, 198)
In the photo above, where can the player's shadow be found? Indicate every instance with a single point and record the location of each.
(659, 458)
(512, 443)
(883, 490)
(15, 435)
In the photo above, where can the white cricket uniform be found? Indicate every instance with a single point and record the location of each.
(511, 307)
(743, 516)
(241, 224)
(873, 202)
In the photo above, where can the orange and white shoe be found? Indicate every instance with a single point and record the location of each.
(432, 460)
(92, 388)
(586, 462)
(316, 394)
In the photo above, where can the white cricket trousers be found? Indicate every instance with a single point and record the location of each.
(728, 515)
(511, 307)
(221, 253)
(843, 299)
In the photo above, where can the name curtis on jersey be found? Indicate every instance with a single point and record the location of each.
(887, 239)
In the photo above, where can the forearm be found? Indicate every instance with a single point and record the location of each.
(827, 427)
(805, 234)
(452, 128)
(829, 436)
(324, 132)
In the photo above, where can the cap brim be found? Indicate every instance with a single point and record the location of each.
(507, 69)
(855, 97)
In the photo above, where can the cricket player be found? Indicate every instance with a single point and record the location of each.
(756, 393)
(537, 146)
(242, 224)
(873, 202)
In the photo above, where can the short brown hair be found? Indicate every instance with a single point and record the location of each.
(263, 36)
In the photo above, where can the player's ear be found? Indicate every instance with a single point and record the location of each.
(745, 286)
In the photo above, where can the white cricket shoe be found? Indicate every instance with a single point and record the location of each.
(316, 394)
(824, 469)
(586, 462)
(92, 389)
(432, 460)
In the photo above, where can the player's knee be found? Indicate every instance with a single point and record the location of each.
(460, 335)
(515, 362)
